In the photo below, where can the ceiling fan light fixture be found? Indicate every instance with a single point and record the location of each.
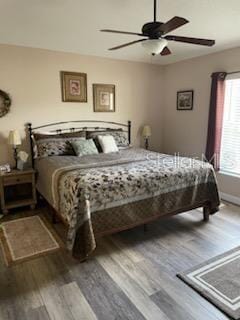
(154, 46)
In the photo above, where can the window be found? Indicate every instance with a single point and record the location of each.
(230, 146)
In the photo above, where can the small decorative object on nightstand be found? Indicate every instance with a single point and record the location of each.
(22, 159)
(14, 140)
(17, 189)
(146, 133)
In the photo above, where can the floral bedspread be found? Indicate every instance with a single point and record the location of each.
(103, 193)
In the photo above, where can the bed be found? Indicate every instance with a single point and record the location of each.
(100, 194)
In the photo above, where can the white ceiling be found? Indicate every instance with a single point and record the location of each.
(73, 25)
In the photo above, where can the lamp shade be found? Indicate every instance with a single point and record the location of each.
(14, 138)
(147, 132)
(154, 46)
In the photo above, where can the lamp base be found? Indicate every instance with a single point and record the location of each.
(146, 143)
(15, 154)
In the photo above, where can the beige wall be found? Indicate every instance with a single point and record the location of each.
(31, 76)
(144, 94)
(186, 131)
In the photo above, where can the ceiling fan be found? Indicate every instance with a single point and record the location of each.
(157, 38)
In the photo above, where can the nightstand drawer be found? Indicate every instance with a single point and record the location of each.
(20, 179)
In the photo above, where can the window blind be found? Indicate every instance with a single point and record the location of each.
(230, 145)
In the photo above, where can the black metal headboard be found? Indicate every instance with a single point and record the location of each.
(31, 130)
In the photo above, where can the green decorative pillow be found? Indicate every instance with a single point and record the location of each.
(84, 147)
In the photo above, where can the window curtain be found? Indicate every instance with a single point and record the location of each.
(215, 120)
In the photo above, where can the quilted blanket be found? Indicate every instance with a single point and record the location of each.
(106, 193)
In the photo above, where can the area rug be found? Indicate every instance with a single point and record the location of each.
(27, 238)
(218, 280)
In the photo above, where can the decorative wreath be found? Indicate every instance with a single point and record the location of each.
(5, 103)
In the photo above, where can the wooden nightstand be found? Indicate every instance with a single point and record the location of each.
(17, 189)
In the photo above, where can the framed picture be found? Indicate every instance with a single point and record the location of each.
(74, 86)
(104, 97)
(185, 100)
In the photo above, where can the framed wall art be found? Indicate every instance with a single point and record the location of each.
(5, 103)
(104, 98)
(74, 86)
(185, 100)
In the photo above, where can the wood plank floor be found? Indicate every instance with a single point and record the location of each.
(132, 275)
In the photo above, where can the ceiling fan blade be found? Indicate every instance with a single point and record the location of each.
(165, 52)
(127, 44)
(202, 42)
(122, 32)
(171, 25)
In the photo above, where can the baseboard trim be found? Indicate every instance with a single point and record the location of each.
(230, 198)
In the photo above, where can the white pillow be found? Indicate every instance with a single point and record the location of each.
(108, 144)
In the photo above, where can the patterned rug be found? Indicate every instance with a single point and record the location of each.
(27, 238)
(218, 280)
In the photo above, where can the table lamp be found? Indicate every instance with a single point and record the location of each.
(14, 140)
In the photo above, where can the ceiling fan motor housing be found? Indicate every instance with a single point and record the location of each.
(149, 30)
